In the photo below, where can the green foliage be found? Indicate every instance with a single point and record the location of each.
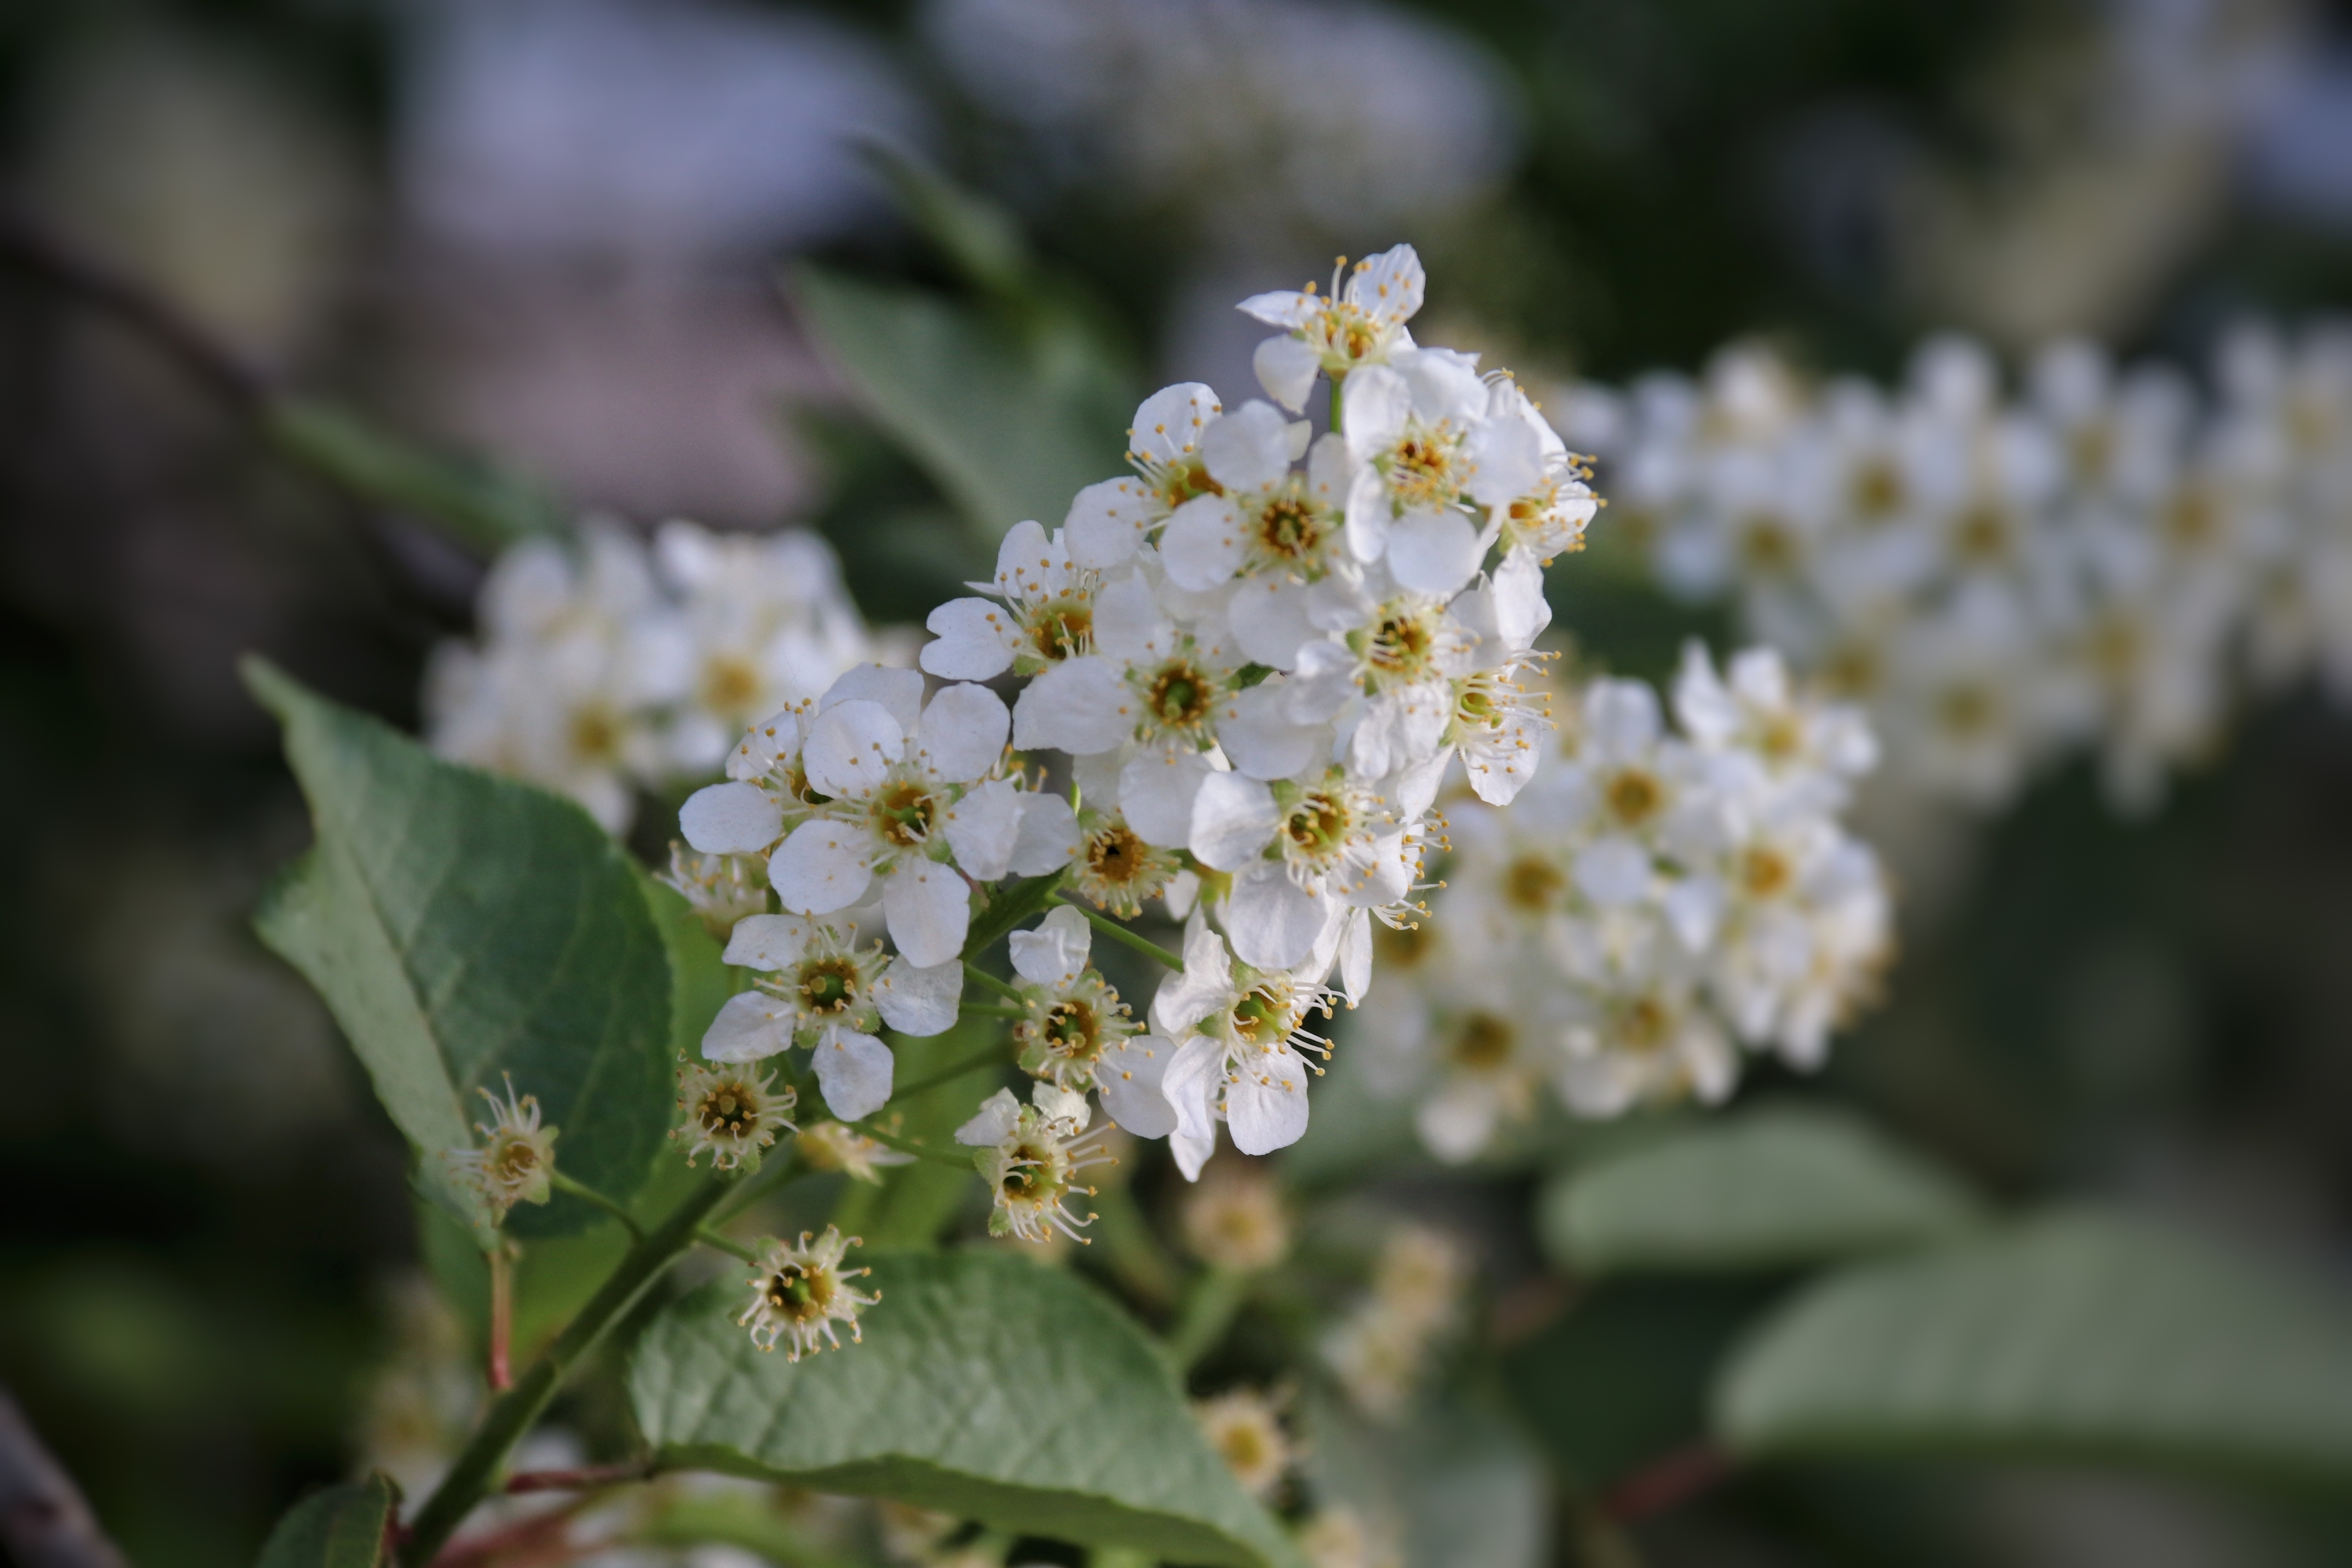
(1773, 1187)
(986, 1385)
(1622, 1376)
(462, 927)
(341, 1527)
(1009, 423)
(482, 507)
(2075, 1334)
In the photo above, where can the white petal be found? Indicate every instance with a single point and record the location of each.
(1458, 1121)
(1444, 382)
(1234, 816)
(1434, 552)
(1283, 308)
(1191, 1083)
(1192, 1150)
(1325, 682)
(1168, 423)
(776, 736)
(1273, 922)
(982, 829)
(1080, 706)
(1129, 625)
(1369, 514)
(1415, 789)
(1128, 1077)
(1356, 957)
(1025, 557)
(963, 732)
(853, 1072)
(851, 746)
(1374, 402)
(731, 819)
(767, 941)
(1269, 619)
(1287, 368)
(751, 1025)
(899, 691)
(1048, 839)
(822, 867)
(974, 640)
(1612, 872)
(1248, 449)
(1055, 952)
(1695, 909)
(1203, 985)
(1156, 790)
(1262, 739)
(1067, 1106)
(918, 1000)
(1107, 520)
(1508, 459)
(1388, 284)
(999, 1114)
(928, 909)
(1401, 728)
(1265, 1105)
(1203, 545)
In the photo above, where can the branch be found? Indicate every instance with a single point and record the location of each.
(31, 247)
(586, 1478)
(1666, 1482)
(43, 1520)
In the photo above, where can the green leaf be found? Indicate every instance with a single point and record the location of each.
(341, 1527)
(2076, 1334)
(979, 237)
(1011, 426)
(486, 508)
(1775, 1187)
(987, 1386)
(463, 927)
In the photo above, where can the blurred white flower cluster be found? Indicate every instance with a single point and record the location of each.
(604, 666)
(1260, 654)
(1651, 904)
(2097, 563)
(1382, 1348)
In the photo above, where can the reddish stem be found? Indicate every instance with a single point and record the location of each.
(502, 1319)
(1665, 1482)
(586, 1478)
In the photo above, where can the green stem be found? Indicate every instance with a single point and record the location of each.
(993, 1010)
(734, 1249)
(1209, 1309)
(1337, 408)
(1119, 933)
(512, 1415)
(990, 982)
(589, 1194)
(904, 1146)
(773, 1172)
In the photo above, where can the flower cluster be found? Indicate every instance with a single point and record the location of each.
(2096, 563)
(1381, 1347)
(606, 667)
(1656, 900)
(1260, 652)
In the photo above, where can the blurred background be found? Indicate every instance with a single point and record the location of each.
(552, 230)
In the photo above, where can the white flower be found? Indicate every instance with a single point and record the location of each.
(833, 1146)
(1416, 428)
(819, 990)
(1048, 614)
(721, 889)
(731, 1112)
(1236, 1221)
(1238, 1032)
(1078, 1034)
(1108, 522)
(802, 1292)
(1473, 1040)
(516, 1163)
(1360, 322)
(903, 807)
(1029, 1155)
(1244, 1429)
